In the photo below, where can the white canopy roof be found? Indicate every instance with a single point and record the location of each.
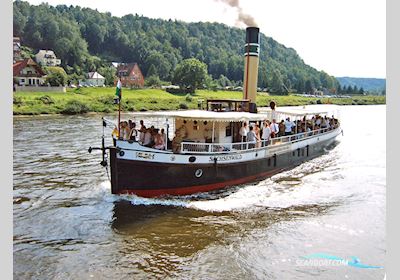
(264, 113)
(202, 115)
(300, 111)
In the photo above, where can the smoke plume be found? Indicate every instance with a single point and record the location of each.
(242, 17)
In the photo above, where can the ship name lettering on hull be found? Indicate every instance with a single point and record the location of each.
(144, 155)
(226, 157)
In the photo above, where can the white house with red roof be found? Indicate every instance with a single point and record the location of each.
(28, 73)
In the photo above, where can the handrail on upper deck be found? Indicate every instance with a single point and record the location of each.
(205, 148)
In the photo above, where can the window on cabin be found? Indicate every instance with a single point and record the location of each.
(228, 130)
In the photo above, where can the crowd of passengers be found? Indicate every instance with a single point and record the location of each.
(260, 135)
(150, 137)
(253, 133)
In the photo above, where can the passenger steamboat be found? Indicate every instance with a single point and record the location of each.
(204, 149)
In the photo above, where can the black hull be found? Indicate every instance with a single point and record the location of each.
(152, 179)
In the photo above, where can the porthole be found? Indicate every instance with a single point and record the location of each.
(198, 173)
(192, 159)
(256, 154)
(121, 153)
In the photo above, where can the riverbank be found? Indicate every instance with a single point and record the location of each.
(84, 100)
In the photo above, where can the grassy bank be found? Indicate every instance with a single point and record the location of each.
(84, 100)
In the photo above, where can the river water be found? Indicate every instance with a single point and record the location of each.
(67, 225)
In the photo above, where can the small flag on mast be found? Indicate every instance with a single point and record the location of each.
(118, 92)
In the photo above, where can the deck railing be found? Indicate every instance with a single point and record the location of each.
(205, 148)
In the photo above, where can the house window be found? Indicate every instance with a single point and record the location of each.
(29, 72)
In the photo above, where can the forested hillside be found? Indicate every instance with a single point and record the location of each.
(371, 85)
(88, 40)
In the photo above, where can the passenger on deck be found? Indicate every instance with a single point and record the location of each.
(324, 123)
(147, 138)
(328, 126)
(142, 126)
(133, 133)
(124, 130)
(332, 123)
(141, 131)
(289, 126)
(162, 133)
(274, 129)
(266, 133)
(252, 138)
(114, 133)
(257, 131)
(176, 142)
(318, 120)
(281, 128)
(159, 142)
(243, 131)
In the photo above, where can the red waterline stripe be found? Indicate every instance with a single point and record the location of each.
(196, 189)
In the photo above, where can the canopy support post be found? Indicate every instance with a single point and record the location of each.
(166, 133)
(213, 133)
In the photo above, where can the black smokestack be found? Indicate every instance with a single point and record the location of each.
(251, 54)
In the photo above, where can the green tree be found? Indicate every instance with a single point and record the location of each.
(224, 81)
(109, 73)
(309, 86)
(152, 71)
(163, 66)
(277, 84)
(339, 89)
(349, 89)
(56, 76)
(153, 81)
(355, 90)
(190, 73)
(26, 52)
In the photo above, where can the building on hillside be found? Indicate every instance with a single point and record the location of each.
(16, 49)
(47, 58)
(130, 75)
(115, 64)
(28, 73)
(93, 79)
(318, 92)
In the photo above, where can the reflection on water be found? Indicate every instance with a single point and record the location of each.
(183, 232)
(67, 225)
